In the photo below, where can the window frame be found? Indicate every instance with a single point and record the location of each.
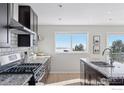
(112, 33)
(107, 39)
(72, 52)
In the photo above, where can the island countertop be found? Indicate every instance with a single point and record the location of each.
(117, 71)
(14, 79)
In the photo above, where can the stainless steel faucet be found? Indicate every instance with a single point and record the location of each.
(110, 51)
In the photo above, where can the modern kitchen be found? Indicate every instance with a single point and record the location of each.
(64, 44)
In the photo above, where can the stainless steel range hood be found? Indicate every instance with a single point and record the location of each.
(8, 23)
(16, 25)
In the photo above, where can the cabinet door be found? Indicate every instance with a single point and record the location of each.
(4, 33)
(15, 11)
(89, 75)
(92, 76)
(47, 67)
(31, 19)
(24, 15)
(35, 23)
(82, 72)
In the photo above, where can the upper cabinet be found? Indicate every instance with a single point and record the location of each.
(15, 8)
(4, 21)
(19, 17)
(28, 17)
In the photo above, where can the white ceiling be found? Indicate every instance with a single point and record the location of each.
(79, 13)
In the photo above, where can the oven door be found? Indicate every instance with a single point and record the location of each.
(39, 74)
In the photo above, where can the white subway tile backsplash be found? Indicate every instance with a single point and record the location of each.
(14, 48)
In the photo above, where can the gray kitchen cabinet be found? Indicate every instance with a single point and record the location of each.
(9, 17)
(82, 72)
(91, 75)
(7, 13)
(29, 19)
(46, 67)
(88, 75)
(15, 12)
(4, 21)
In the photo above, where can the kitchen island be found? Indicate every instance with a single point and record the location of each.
(106, 75)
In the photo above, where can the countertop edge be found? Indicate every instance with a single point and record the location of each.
(95, 67)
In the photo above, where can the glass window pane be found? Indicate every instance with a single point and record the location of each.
(116, 43)
(79, 42)
(113, 38)
(63, 42)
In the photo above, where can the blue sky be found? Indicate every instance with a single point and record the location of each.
(64, 40)
(115, 37)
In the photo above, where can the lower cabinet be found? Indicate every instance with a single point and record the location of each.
(89, 76)
(46, 67)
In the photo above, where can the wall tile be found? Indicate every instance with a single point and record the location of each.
(14, 48)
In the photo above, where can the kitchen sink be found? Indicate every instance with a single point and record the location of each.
(101, 64)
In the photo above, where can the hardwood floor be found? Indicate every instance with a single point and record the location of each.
(58, 77)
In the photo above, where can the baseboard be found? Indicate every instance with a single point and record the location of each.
(63, 72)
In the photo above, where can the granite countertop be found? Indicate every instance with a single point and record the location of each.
(14, 79)
(117, 71)
(40, 59)
(20, 79)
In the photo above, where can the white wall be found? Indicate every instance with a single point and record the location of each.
(69, 62)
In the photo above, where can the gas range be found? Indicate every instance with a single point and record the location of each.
(18, 67)
(23, 68)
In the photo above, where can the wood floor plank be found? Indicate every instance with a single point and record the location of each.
(58, 77)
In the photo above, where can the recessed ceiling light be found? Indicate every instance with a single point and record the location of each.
(110, 19)
(59, 19)
(109, 12)
(60, 5)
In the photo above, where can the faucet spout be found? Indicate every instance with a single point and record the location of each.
(105, 50)
(111, 60)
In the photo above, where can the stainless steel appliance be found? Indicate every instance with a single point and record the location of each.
(9, 22)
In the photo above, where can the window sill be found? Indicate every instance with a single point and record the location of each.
(71, 52)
